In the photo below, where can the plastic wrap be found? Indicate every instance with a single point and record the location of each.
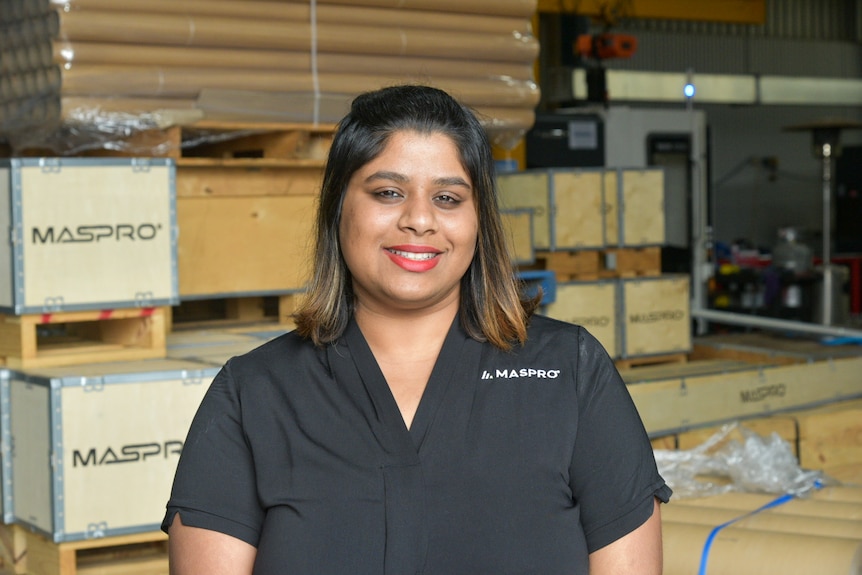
(757, 464)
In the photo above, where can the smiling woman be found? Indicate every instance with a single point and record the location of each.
(409, 226)
(421, 418)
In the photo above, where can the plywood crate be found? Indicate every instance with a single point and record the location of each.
(518, 227)
(655, 315)
(634, 207)
(87, 234)
(5, 450)
(830, 436)
(568, 205)
(592, 305)
(246, 205)
(95, 447)
(772, 346)
(681, 402)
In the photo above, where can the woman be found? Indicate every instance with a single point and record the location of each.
(420, 419)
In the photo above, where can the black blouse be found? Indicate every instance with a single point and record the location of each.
(517, 462)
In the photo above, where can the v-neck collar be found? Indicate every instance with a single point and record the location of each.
(381, 395)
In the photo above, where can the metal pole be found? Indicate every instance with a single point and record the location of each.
(774, 324)
(826, 151)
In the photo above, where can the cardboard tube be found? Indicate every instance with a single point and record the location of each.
(30, 84)
(142, 28)
(14, 10)
(26, 58)
(797, 506)
(86, 53)
(485, 23)
(29, 31)
(839, 493)
(124, 105)
(523, 8)
(764, 521)
(751, 552)
(188, 82)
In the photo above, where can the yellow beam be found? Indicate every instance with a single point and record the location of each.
(729, 11)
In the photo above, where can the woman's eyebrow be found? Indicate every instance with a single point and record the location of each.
(452, 181)
(401, 178)
(391, 176)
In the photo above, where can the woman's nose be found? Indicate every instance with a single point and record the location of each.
(418, 215)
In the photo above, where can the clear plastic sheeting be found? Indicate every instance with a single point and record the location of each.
(757, 464)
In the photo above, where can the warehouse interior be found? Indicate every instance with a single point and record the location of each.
(681, 178)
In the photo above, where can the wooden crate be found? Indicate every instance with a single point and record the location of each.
(592, 305)
(782, 425)
(634, 207)
(95, 447)
(567, 205)
(246, 194)
(830, 436)
(674, 403)
(258, 181)
(5, 457)
(244, 245)
(655, 316)
(25, 552)
(81, 337)
(770, 346)
(87, 234)
(518, 226)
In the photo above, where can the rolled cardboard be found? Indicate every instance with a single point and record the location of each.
(850, 494)
(523, 8)
(764, 521)
(737, 551)
(484, 23)
(170, 29)
(90, 53)
(178, 82)
(30, 84)
(797, 506)
(15, 10)
(29, 30)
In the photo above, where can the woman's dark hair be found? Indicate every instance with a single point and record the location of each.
(492, 306)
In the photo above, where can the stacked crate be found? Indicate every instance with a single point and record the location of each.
(242, 114)
(600, 231)
(91, 266)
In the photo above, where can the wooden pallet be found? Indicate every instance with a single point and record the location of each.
(591, 265)
(631, 262)
(569, 266)
(25, 552)
(233, 312)
(189, 137)
(79, 337)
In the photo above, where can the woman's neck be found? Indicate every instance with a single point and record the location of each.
(405, 335)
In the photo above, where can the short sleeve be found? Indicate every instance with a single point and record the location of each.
(214, 486)
(613, 473)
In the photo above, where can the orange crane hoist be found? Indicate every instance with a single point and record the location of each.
(605, 46)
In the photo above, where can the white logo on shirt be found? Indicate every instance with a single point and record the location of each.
(523, 372)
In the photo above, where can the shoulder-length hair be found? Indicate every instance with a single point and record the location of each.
(493, 307)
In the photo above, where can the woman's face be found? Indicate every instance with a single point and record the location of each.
(409, 227)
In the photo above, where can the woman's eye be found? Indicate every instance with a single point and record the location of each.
(447, 199)
(387, 194)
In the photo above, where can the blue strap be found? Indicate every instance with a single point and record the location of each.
(706, 546)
